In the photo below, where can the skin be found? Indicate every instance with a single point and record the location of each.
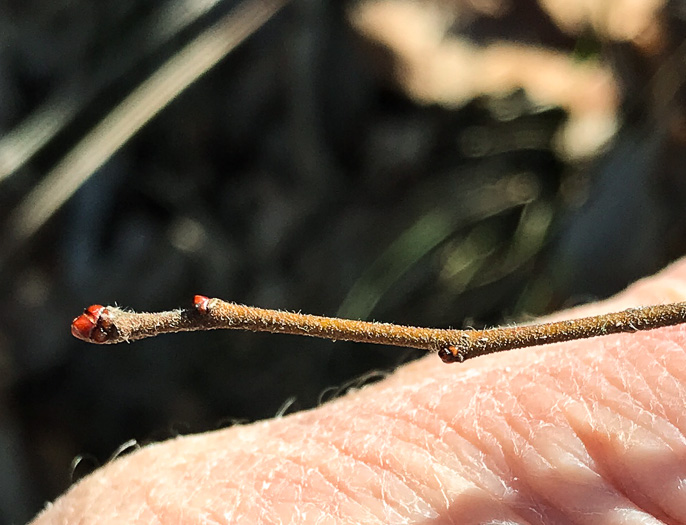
(589, 431)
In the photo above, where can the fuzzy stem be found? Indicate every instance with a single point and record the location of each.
(108, 325)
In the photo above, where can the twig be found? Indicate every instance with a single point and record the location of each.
(109, 325)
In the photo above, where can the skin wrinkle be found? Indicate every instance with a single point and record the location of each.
(659, 494)
(580, 451)
(293, 481)
(498, 442)
(661, 422)
(183, 514)
(608, 473)
(412, 408)
(593, 466)
(107, 493)
(304, 480)
(645, 396)
(631, 411)
(376, 468)
(461, 430)
(174, 511)
(337, 485)
(516, 466)
(605, 401)
(678, 394)
(589, 493)
(521, 498)
(489, 456)
(167, 512)
(437, 463)
(381, 464)
(640, 413)
(263, 506)
(253, 459)
(529, 435)
(439, 442)
(625, 410)
(494, 498)
(656, 359)
(482, 436)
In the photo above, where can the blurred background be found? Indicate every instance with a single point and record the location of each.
(445, 163)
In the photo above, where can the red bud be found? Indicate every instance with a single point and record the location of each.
(85, 324)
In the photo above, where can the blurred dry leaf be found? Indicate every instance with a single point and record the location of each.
(435, 67)
(620, 20)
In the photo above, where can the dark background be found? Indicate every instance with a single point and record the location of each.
(297, 174)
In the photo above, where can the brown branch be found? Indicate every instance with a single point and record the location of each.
(109, 325)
